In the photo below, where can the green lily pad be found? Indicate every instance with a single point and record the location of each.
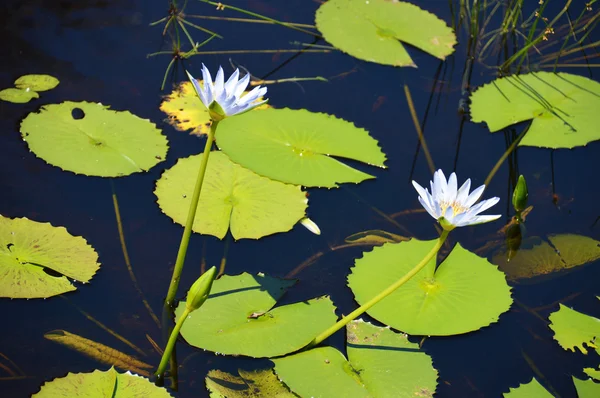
(574, 329)
(296, 146)
(372, 30)
(374, 237)
(380, 363)
(246, 384)
(540, 258)
(187, 112)
(586, 388)
(533, 389)
(231, 197)
(563, 107)
(36, 259)
(103, 142)
(99, 384)
(36, 82)
(593, 373)
(465, 293)
(238, 318)
(17, 95)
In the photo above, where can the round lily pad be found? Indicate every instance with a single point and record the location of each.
(18, 96)
(465, 293)
(380, 363)
(187, 112)
(238, 318)
(373, 30)
(37, 260)
(231, 197)
(297, 146)
(36, 82)
(563, 107)
(99, 384)
(88, 138)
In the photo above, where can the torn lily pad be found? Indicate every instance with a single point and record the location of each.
(380, 363)
(232, 197)
(298, 147)
(574, 329)
(239, 319)
(375, 30)
(37, 259)
(88, 138)
(463, 294)
(99, 384)
(563, 108)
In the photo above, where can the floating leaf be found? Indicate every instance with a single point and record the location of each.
(593, 373)
(567, 251)
(372, 30)
(33, 253)
(253, 383)
(564, 108)
(36, 82)
(103, 142)
(187, 112)
(238, 319)
(99, 384)
(533, 389)
(380, 363)
(295, 146)
(465, 293)
(99, 352)
(586, 388)
(375, 237)
(574, 329)
(17, 96)
(232, 197)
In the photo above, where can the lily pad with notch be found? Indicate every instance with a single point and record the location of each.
(238, 318)
(298, 146)
(231, 197)
(563, 108)
(374, 30)
(88, 138)
(380, 363)
(37, 259)
(463, 294)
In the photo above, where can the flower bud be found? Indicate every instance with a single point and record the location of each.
(311, 225)
(520, 195)
(200, 290)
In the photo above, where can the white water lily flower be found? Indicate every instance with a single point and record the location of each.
(224, 99)
(454, 207)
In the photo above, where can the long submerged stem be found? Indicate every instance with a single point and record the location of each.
(383, 294)
(187, 232)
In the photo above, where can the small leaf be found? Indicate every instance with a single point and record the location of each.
(574, 329)
(248, 383)
(17, 96)
(533, 389)
(99, 352)
(375, 237)
(36, 82)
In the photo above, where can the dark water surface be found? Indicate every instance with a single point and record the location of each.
(98, 48)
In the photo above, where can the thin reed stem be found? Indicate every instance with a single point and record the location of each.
(171, 344)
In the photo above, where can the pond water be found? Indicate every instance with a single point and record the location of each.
(98, 50)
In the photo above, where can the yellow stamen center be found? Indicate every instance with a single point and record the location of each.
(457, 208)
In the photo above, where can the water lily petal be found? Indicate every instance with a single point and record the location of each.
(232, 82)
(450, 193)
(208, 86)
(474, 196)
(241, 86)
(477, 220)
(463, 192)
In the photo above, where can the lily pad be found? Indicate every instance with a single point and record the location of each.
(563, 107)
(574, 329)
(187, 112)
(88, 138)
(540, 258)
(37, 260)
(246, 384)
(586, 388)
(238, 318)
(37, 82)
(533, 389)
(231, 197)
(374, 237)
(99, 384)
(297, 146)
(465, 293)
(380, 363)
(373, 30)
(17, 95)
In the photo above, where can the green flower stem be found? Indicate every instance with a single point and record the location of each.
(164, 361)
(383, 294)
(187, 232)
